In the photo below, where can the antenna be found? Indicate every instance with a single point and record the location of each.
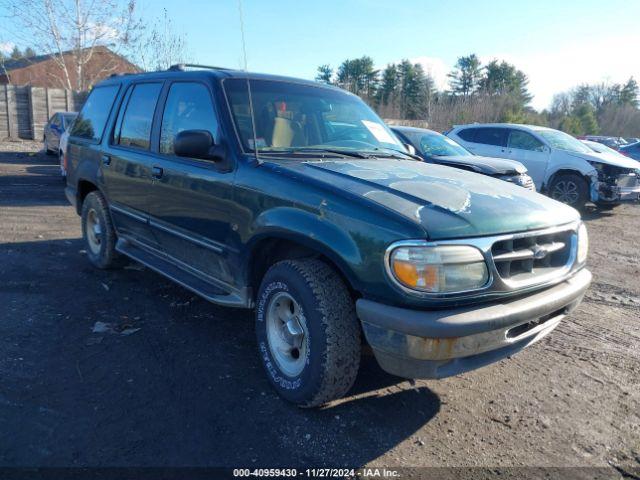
(244, 53)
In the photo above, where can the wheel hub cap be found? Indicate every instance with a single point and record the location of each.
(287, 333)
(94, 231)
(566, 192)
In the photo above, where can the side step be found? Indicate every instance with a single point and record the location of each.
(207, 290)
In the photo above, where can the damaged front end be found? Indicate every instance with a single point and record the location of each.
(614, 184)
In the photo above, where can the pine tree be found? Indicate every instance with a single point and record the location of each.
(466, 75)
(325, 74)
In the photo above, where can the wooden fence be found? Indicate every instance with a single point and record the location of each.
(25, 110)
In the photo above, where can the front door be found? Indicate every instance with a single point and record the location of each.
(127, 164)
(531, 152)
(191, 198)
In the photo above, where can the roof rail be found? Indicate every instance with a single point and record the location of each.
(181, 67)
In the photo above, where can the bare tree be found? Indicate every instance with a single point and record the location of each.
(161, 46)
(73, 31)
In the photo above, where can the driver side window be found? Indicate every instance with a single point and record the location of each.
(524, 141)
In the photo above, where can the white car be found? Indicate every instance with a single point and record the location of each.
(561, 166)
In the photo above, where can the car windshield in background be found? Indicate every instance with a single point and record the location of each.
(563, 141)
(436, 145)
(293, 117)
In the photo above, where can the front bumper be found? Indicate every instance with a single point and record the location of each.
(441, 343)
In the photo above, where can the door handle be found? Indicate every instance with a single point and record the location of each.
(156, 172)
(106, 160)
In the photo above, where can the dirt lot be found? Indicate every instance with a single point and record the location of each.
(187, 388)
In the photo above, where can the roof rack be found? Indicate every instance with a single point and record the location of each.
(181, 67)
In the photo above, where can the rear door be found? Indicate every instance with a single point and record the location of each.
(191, 199)
(531, 152)
(127, 165)
(489, 142)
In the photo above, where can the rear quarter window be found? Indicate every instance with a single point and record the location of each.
(93, 117)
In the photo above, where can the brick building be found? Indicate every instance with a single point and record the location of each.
(44, 71)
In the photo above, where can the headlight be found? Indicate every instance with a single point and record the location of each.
(438, 269)
(523, 180)
(583, 244)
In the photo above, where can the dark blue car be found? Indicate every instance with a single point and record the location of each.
(632, 151)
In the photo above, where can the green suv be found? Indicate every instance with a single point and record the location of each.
(293, 198)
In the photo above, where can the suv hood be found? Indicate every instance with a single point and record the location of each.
(610, 159)
(486, 165)
(446, 202)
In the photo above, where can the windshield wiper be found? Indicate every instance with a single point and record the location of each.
(312, 150)
(397, 154)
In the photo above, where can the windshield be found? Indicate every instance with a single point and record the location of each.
(563, 141)
(291, 116)
(436, 145)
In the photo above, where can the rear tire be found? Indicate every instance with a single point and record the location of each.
(98, 233)
(571, 189)
(308, 333)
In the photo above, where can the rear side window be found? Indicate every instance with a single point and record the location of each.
(188, 107)
(524, 141)
(491, 136)
(95, 112)
(135, 129)
(468, 134)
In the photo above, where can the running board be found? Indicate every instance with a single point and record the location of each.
(197, 285)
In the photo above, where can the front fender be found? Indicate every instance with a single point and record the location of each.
(577, 165)
(310, 230)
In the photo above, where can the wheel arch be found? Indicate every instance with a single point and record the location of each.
(271, 247)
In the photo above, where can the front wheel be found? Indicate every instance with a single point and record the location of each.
(308, 333)
(571, 189)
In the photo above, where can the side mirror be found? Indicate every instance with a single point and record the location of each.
(193, 144)
(410, 148)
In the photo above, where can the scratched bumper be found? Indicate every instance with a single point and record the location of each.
(441, 343)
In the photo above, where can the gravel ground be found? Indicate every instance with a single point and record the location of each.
(178, 381)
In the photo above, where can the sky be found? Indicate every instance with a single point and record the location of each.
(557, 43)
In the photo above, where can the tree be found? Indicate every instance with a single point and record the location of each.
(629, 93)
(465, 77)
(571, 125)
(78, 27)
(29, 52)
(161, 46)
(16, 54)
(358, 76)
(586, 116)
(502, 78)
(325, 74)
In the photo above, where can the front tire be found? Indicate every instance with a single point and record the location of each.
(98, 232)
(571, 189)
(308, 333)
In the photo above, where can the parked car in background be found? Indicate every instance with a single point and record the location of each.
(434, 147)
(561, 166)
(611, 142)
(62, 149)
(631, 151)
(609, 154)
(313, 213)
(54, 129)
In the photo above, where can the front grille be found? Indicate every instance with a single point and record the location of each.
(527, 258)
